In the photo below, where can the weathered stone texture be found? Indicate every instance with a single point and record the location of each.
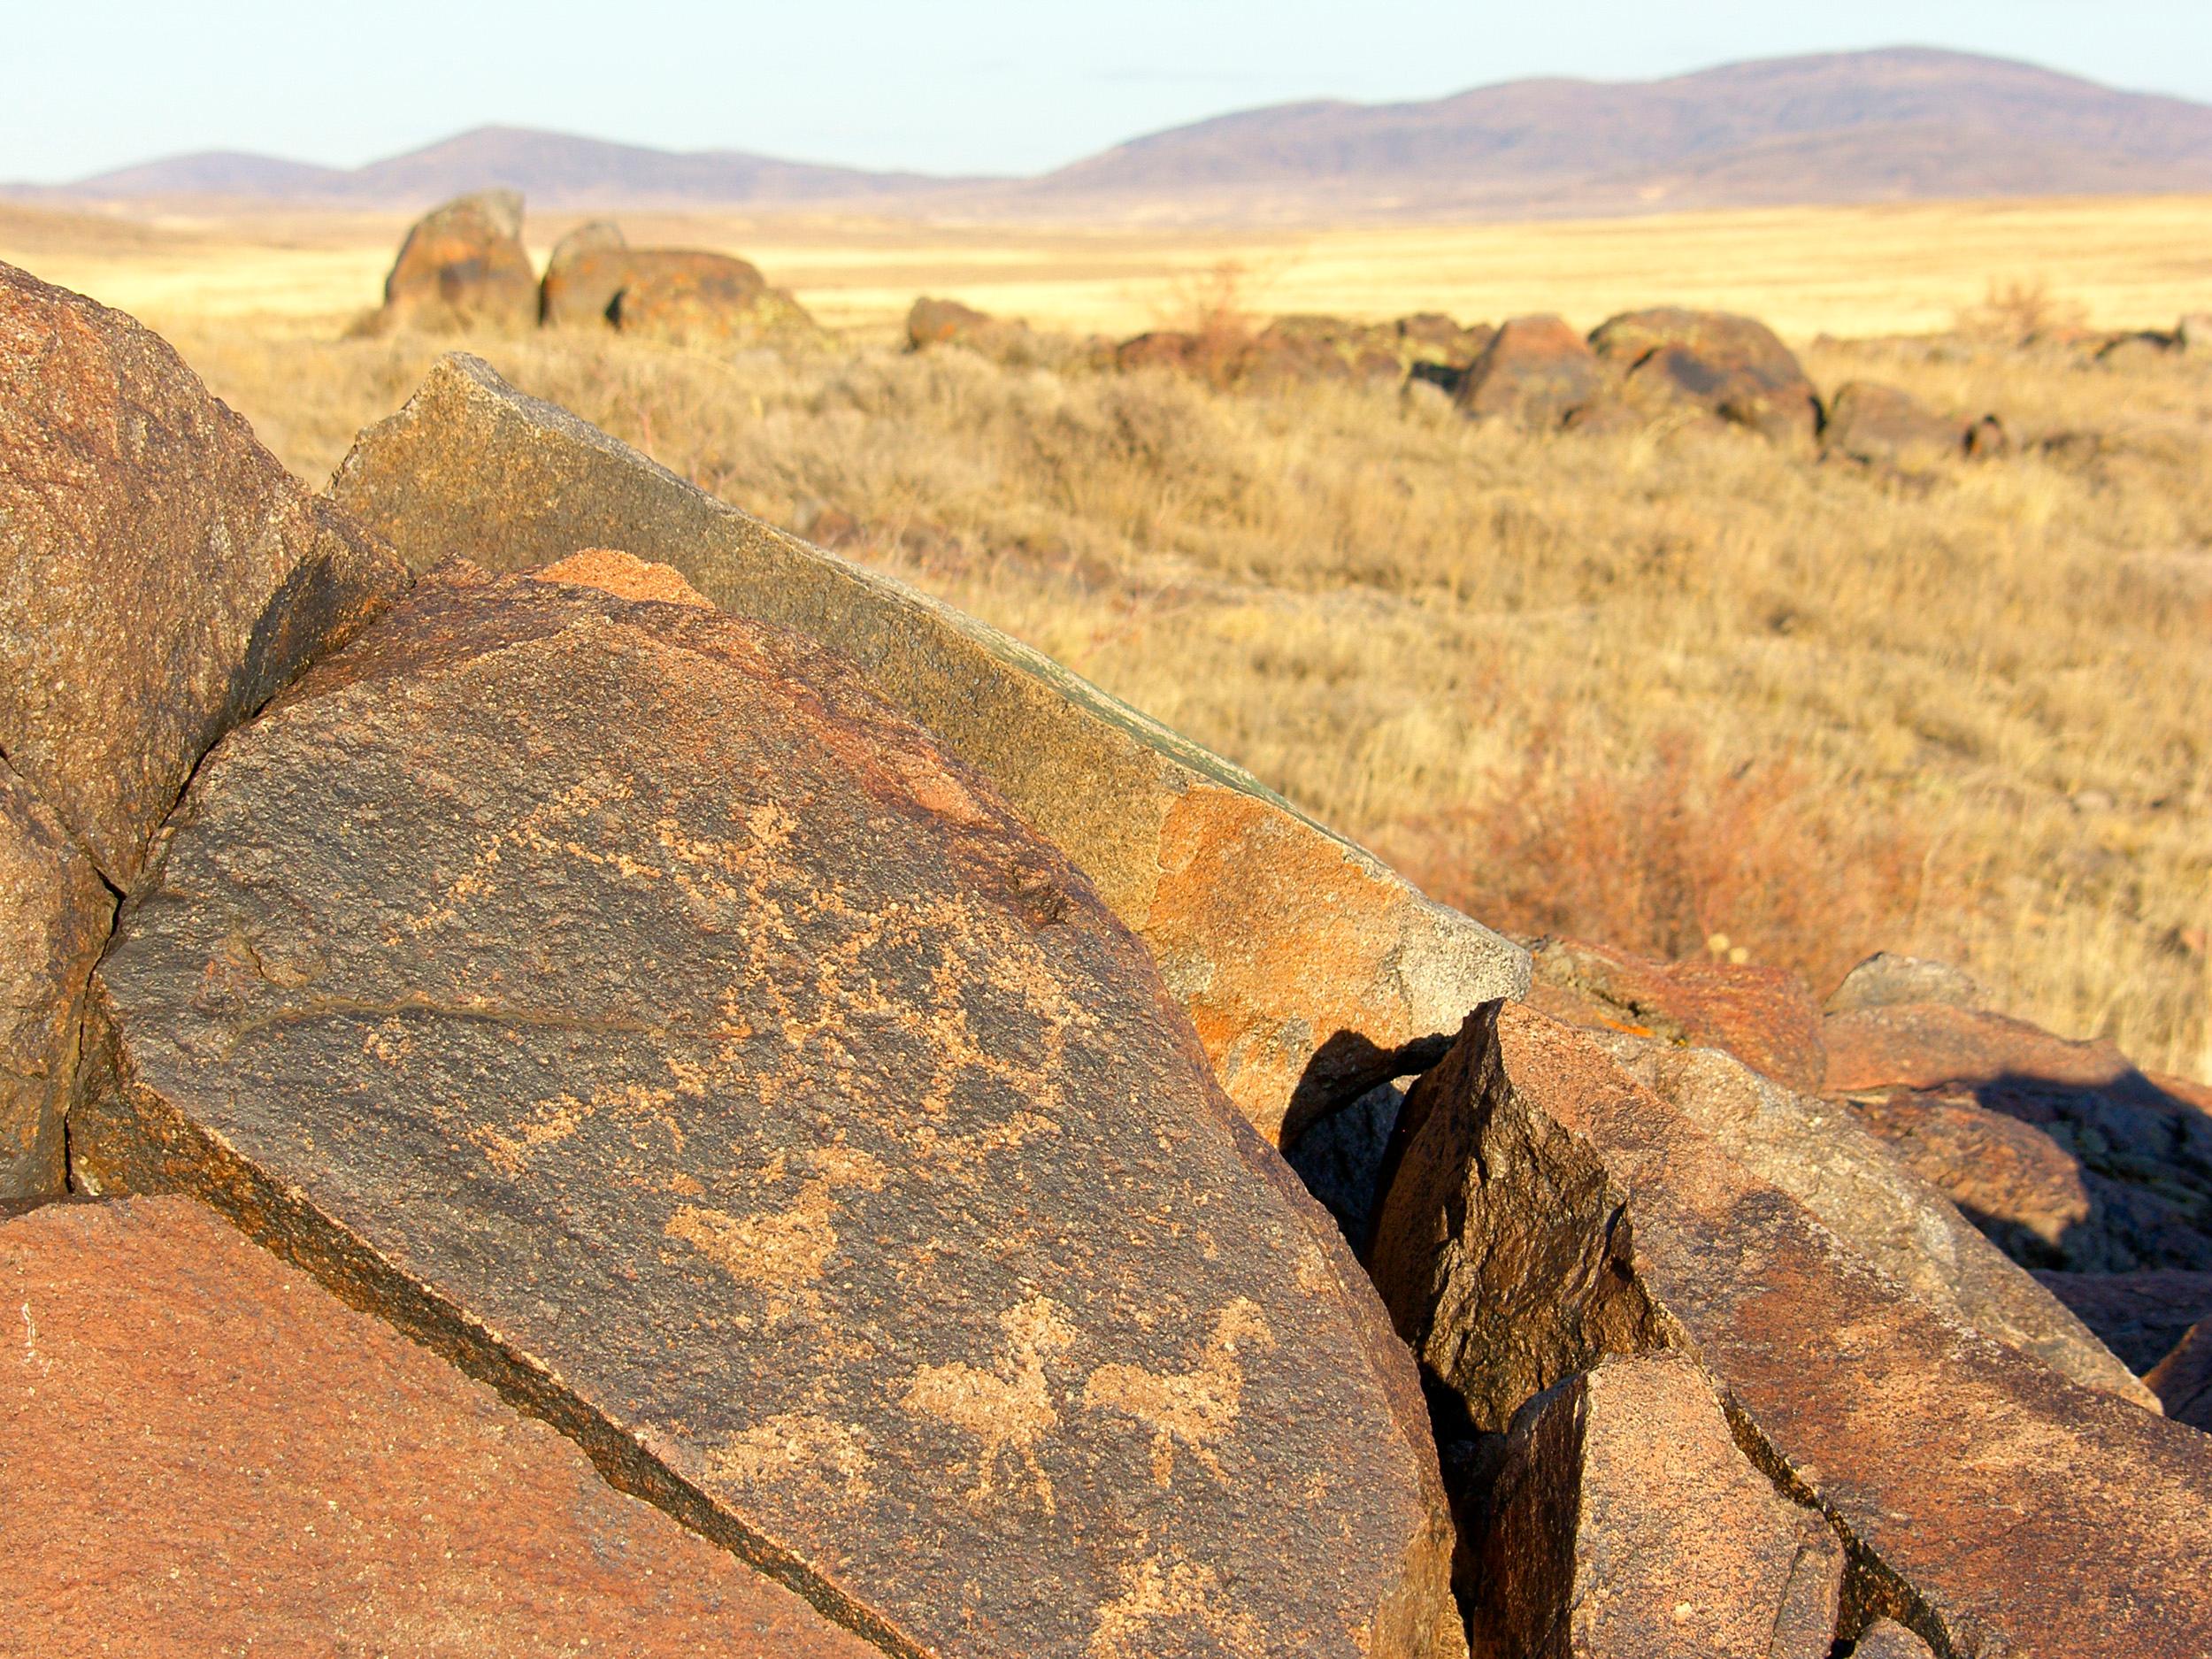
(207, 1454)
(1884, 425)
(1307, 965)
(463, 269)
(54, 917)
(1626, 1524)
(1547, 1210)
(160, 575)
(1536, 371)
(582, 275)
(1887, 978)
(1732, 367)
(1857, 1186)
(623, 998)
(2071, 1157)
(1886, 1638)
(1765, 1017)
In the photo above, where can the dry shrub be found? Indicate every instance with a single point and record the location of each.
(1676, 855)
(1213, 308)
(2014, 311)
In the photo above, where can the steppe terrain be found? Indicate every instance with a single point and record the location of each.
(1676, 691)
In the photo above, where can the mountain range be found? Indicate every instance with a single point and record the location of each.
(1894, 125)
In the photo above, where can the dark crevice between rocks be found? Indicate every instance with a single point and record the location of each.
(173, 1154)
(1872, 1589)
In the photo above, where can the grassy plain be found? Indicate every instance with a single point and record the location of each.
(1658, 688)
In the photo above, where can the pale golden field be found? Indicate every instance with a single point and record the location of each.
(1653, 688)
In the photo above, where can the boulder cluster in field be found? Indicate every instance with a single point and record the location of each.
(464, 270)
(583, 1074)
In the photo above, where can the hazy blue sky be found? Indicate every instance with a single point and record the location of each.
(953, 86)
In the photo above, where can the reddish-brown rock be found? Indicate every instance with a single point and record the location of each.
(1885, 426)
(1765, 1017)
(1309, 966)
(1734, 367)
(160, 575)
(1547, 1210)
(2183, 1380)
(1886, 1212)
(623, 999)
(54, 917)
(208, 1454)
(2142, 1144)
(1624, 1524)
(1536, 371)
(582, 275)
(702, 299)
(1927, 1045)
(1886, 1638)
(932, 322)
(1987, 440)
(617, 573)
(463, 270)
(2021, 1187)
(1887, 978)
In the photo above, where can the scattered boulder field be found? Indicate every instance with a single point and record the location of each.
(463, 270)
(581, 1073)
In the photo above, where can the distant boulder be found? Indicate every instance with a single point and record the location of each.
(585, 273)
(1536, 371)
(1734, 367)
(1432, 337)
(463, 270)
(2193, 333)
(1986, 439)
(934, 322)
(2134, 350)
(704, 299)
(1883, 425)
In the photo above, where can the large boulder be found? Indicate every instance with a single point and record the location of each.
(1872, 1199)
(160, 575)
(464, 270)
(1536, 371)
(1885, 426)
(1934, 1076)
(687, 298)
(1547, 1210)
(54, 917)
(934, 322)
(1626, 1524)
(1733, 367)
(1309, 967)
(1765, 1017)
(207, 1453)
(583, 274)
(623, 999)
(1888, 977)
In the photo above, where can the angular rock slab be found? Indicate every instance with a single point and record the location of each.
(207, 1454)
(1307, 965)
(1547, 1210)
(160, 575)
(1765, 1017)
(1863, 1192)
(1626, 1524)
(54, 918)
(623, 999)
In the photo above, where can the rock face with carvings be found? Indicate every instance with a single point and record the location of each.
(624, 1000)
(1311, 970)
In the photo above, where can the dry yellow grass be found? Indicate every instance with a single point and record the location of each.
(1668, 685)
